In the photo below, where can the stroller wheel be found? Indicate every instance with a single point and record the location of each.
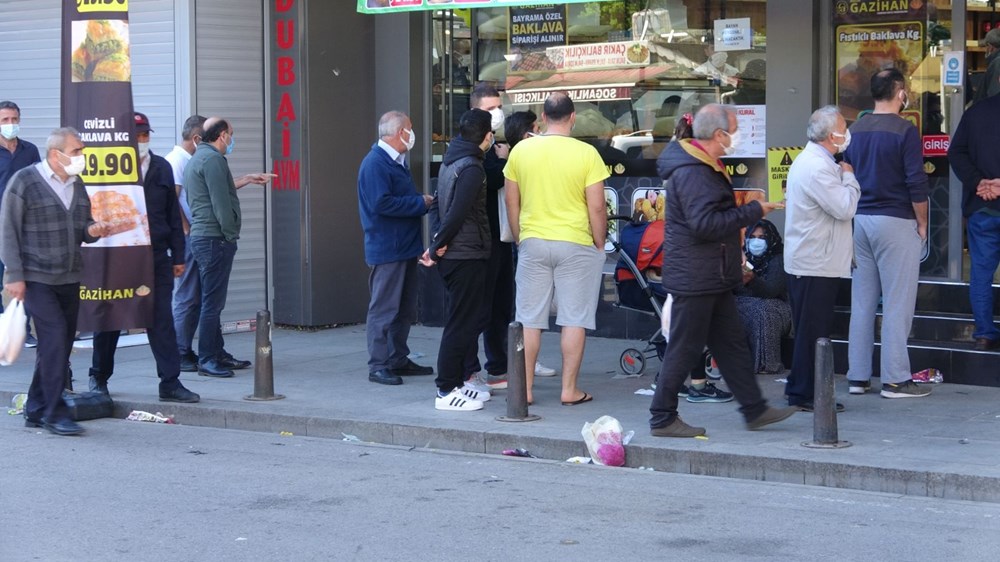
(632, 361)
(711, 367)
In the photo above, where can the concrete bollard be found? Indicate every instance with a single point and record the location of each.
(263, 369)
(517, 384)
(824, 401)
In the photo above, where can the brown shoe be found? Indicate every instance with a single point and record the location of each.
(986, 344)
(677, 428)
(771, 415)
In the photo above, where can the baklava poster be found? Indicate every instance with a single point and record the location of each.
(100, 51)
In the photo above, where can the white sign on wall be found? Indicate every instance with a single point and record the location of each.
(733, 34)
(952, 71)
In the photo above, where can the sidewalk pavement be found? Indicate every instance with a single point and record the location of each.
(946, 445)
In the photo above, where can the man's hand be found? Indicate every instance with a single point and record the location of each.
(502, 149)
(99, 229)
(428, 199)
(845, 167)
(769, 206)
(425, 259)
(988, 190)
(178, 270)
(747, 276)
(256, 179)
(16, 290)
(922, 231)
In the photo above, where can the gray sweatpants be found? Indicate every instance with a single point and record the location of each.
(887, 253)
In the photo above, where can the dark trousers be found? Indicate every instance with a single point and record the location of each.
(162, 339)
(813, 300)
(695, 322)
(498, 311)
(215, 264)
(463, 279)
(187, 301)
(54, 308)
(391, 311)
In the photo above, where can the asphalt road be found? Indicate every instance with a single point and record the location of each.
(142, 491)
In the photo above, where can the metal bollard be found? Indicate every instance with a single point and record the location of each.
(517, 385)
(263, 369)
(824, 401)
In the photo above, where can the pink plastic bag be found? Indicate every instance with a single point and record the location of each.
(604, 441)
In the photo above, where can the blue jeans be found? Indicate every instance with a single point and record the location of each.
(215, 263)
(984, 253)
(187, 301)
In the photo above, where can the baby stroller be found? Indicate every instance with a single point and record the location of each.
(639, 247)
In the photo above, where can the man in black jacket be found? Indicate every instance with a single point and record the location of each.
(461, 248)
(167, 238)
(702, 240)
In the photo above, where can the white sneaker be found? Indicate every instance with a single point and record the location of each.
(457, 401)
(543, 371)
(479, 386)
(475, 394)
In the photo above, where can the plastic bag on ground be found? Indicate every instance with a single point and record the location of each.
(604, 441)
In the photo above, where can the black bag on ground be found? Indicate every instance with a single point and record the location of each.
(88, 405)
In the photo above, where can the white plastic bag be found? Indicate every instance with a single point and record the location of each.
(604, 441)
(505, 233)
(12, 332)
(665, 317)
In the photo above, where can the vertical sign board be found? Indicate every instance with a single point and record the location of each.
(96, 91)
(287, 204)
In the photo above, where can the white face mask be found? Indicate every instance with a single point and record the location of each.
(718, 59)
(496, 118)
(10, 130)
(75, 166)
(143, 150)
(412, 140)
(847, 141)
(906, 102)
(734, 142)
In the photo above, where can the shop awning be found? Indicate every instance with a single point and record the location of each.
(396, 6)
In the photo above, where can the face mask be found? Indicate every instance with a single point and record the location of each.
(496, 118)
(718, 59)
(10, 130)
(734, 143)
(847, 141)
(906, 103)
(75, 166)
(144, 150)
(229, 147)
(756, 246)
(412, 140)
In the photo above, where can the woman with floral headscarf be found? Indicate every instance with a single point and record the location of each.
(763, 299)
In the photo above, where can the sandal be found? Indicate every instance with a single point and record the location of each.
(586, 398)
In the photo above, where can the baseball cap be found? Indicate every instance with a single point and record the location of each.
(142, 123)
(991, 38)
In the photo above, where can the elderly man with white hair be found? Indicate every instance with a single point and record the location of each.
(820, 202)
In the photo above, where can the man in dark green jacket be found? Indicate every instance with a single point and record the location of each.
(215, 227)
(702, 240)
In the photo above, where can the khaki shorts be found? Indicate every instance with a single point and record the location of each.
(569, 272)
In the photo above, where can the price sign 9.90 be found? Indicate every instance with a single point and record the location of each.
(109, 165)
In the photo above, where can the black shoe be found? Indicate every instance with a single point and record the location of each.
(231, 362)
(179, 394)
(808, 406)
(32, 422)
(98, 384)
(987, 344)
(214, 369)
(189, 363)
(63, 427)
(411, 369)
(384, 376)
(30, 341)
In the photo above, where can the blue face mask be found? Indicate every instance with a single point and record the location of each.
(756, 246)
(229, 147)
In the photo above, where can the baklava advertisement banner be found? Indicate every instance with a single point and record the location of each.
(96, 92)
(872, 36)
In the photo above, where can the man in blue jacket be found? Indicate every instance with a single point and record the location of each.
(702, 238)
(975, 157)
(390, 207)
(166, 236)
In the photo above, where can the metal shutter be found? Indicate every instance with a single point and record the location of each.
(229, 63)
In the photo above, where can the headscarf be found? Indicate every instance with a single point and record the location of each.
(774, 245)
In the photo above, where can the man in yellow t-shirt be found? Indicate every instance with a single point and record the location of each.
(555, 205)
